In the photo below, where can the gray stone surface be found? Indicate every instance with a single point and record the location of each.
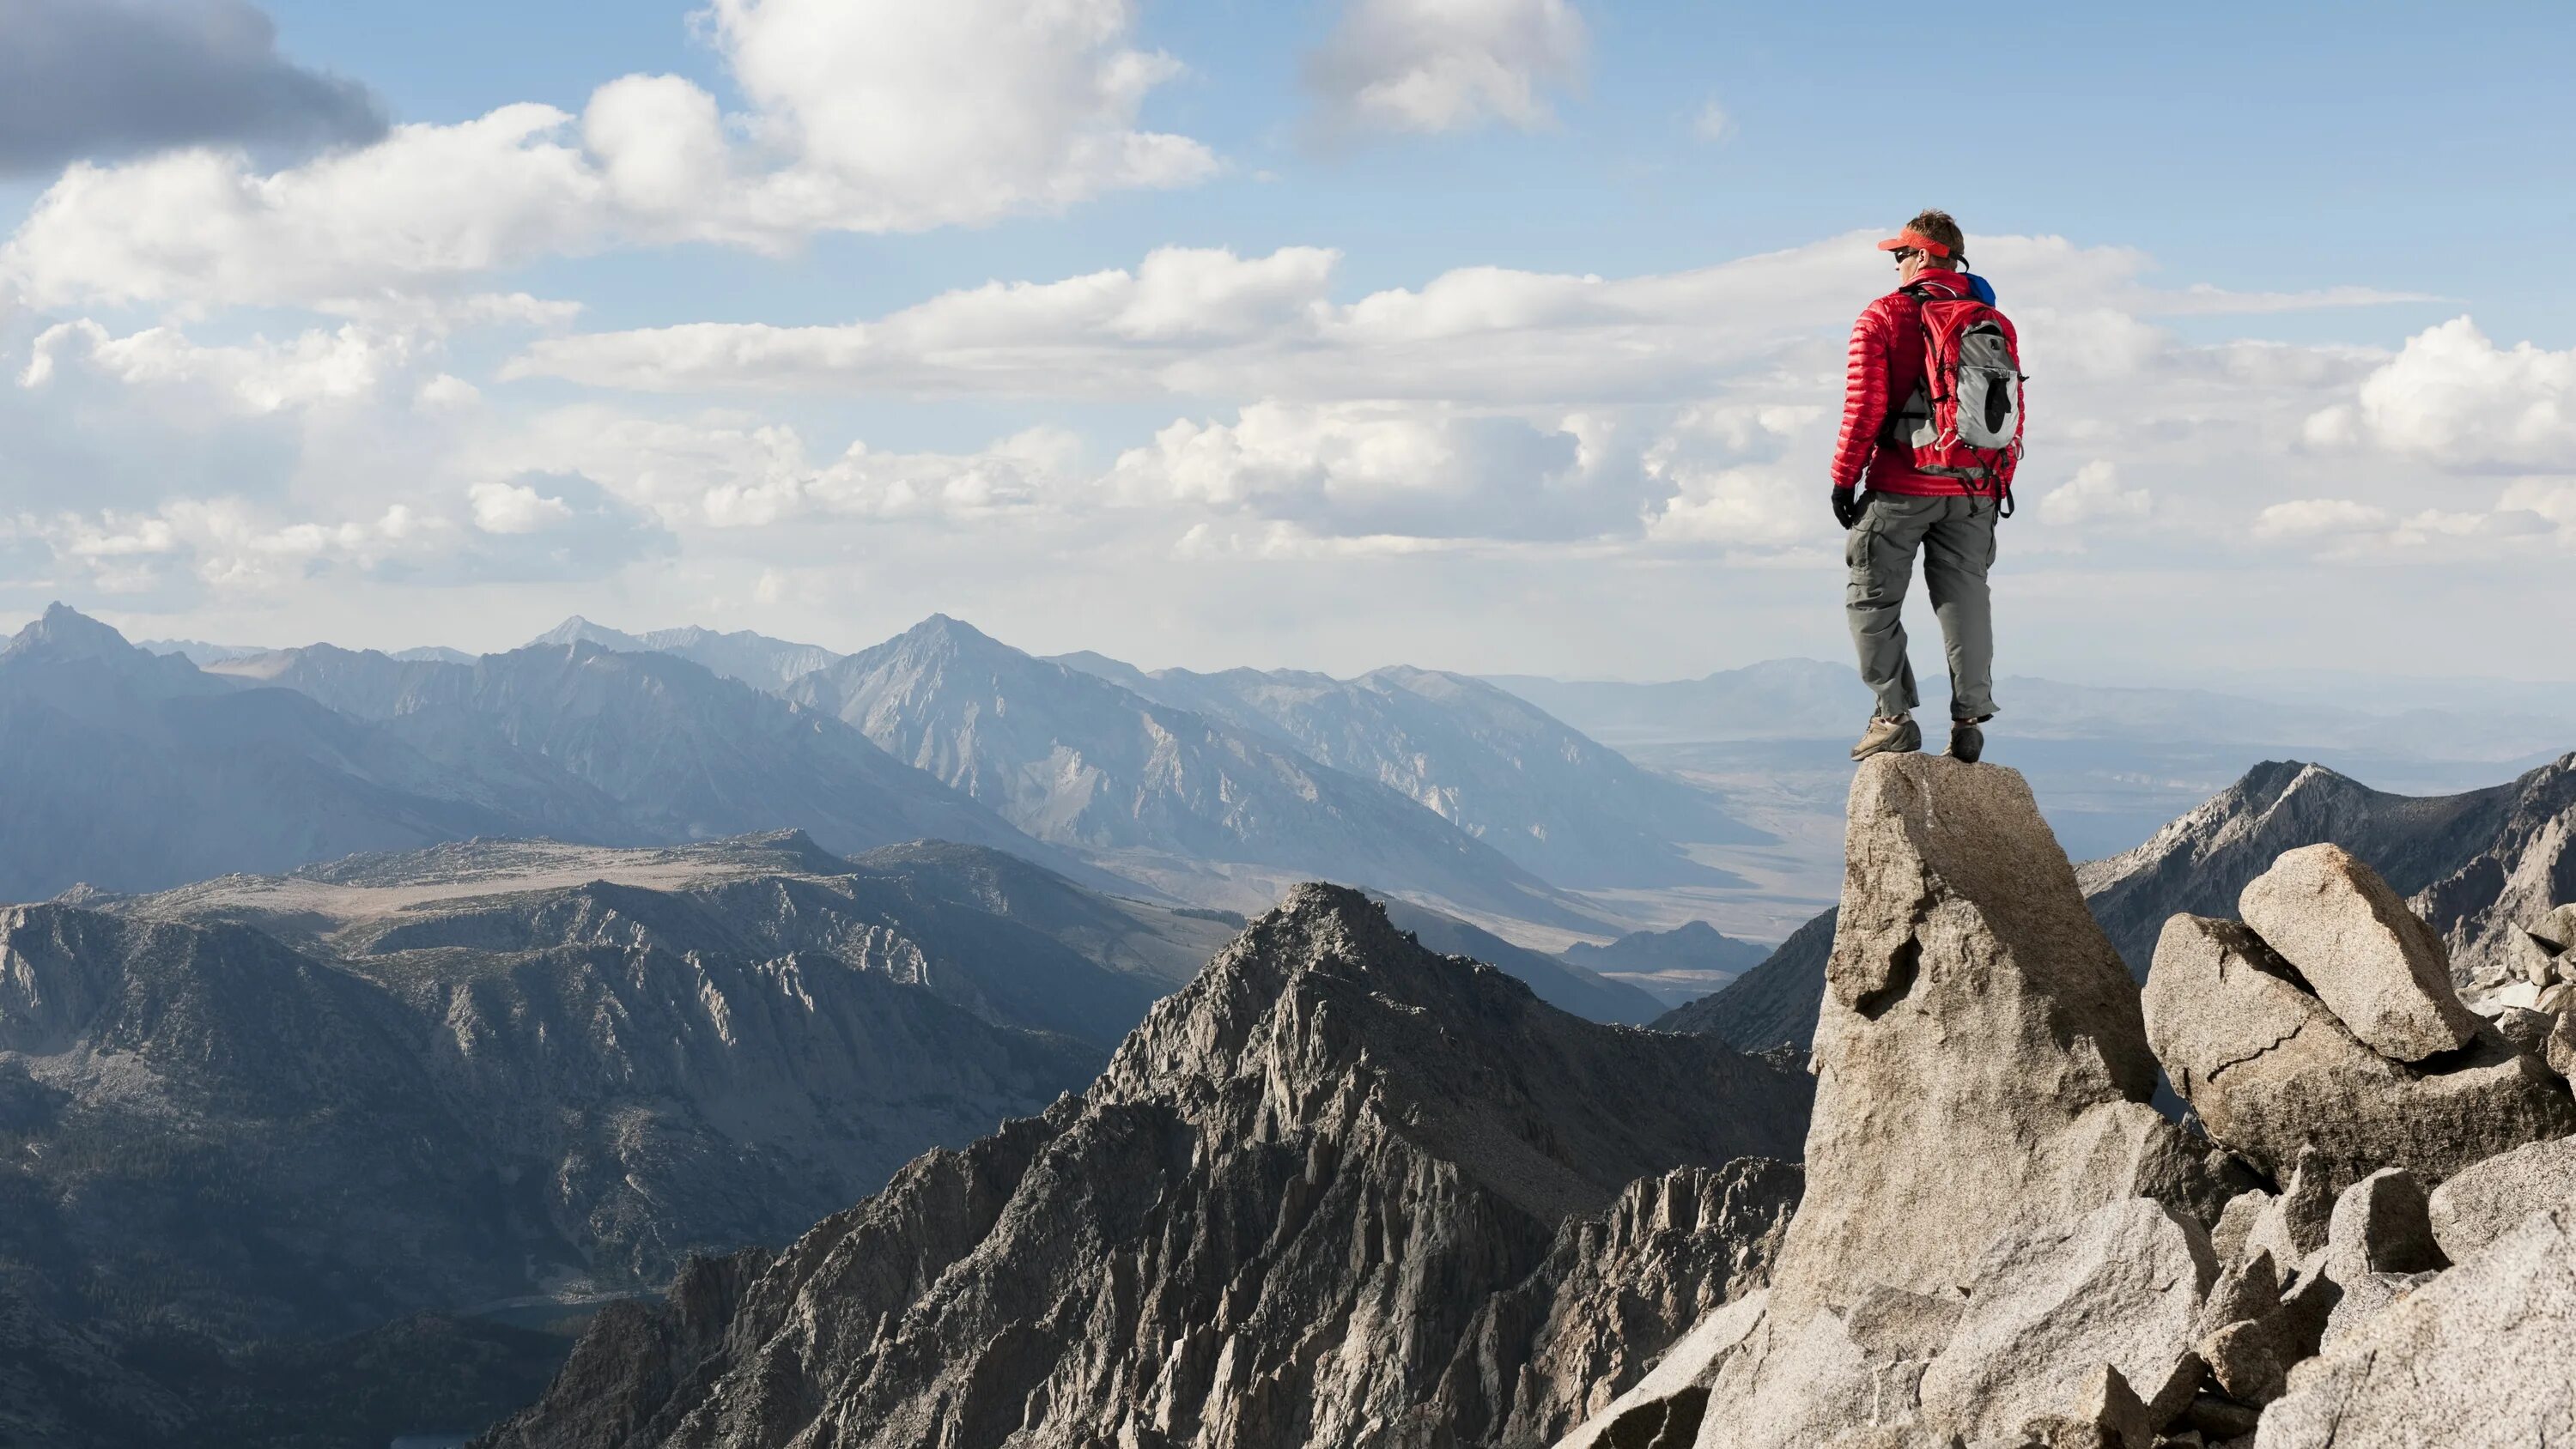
(2269, 1069)
(2294, 1224)
(2528, 1030)
(1807, 1384)
(2228, 1236)
(2484, 1357)
(1663, 1409)
(2482, 1203)
(1980, 1062)
(2380, 1226)
(2380, 970)
(2122, 1285)
(2560, 1050)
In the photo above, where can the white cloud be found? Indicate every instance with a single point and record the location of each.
(315, 367)
(1712, 124)
(869, 116)
(2453, 397)
(515, 508)
(1357, 470)
(1430, 66)
(2318, 517)
(2094, 495)
(1211, 324)
(720, 473)
(222, 543)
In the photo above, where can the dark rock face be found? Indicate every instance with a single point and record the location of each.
(264, 1111)
(1322, 1195)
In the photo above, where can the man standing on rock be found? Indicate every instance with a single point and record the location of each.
(1932, 425)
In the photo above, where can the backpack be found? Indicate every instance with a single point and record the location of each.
(1963, 420)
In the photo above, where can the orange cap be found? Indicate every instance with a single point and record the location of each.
(1915, 239)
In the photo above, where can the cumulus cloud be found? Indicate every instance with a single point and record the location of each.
(2094, 495)
(868, 116)
(515, 508)
(2316, 517)
(1430, 66)
(315, 367)
(1357, 470)
(95, 79)
(2453, 397)
(1210, 323)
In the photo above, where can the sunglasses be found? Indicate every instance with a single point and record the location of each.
(1904, 255)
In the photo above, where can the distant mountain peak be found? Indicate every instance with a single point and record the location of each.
(578, 630)
(67, 633)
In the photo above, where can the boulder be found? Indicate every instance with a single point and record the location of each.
(1805, 1384)
(1663, 1409)
(2380, 1225)
(2227, 1237)
(2486, 1352)
(2050, 1305)
(2363, 1297)
(2295, 1224)
(2560, 1050)
(1893, 1324)
(2528, 1030)
(1981, 1064)
(2380, 970)
(2270, 1070)
(2245, 1358)
(2482, 1203)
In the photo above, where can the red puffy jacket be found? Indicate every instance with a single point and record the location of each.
(1885, 364)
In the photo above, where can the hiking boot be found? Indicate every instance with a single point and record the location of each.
(1966, 740)
(1900, 735)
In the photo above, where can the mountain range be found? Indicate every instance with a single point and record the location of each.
(272, 1110)
(1200, 808)
(1338, 1190)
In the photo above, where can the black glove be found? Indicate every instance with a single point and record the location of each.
(1847, 507)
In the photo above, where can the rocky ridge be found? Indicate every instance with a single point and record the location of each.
(265, 1111)
(2000, 1246)
(1337, 1190)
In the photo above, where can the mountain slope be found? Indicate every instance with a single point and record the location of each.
(754, 659)
(1275, 1220)
(264, 1109)
(1772, 1005)
(645, 747)
(2475, 864)
(131, 770)
(1207, 810)
(1560, 805)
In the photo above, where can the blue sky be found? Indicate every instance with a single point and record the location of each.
(2239, 239)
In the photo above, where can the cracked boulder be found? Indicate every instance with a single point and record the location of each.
(2270, 1069)
(1981, 1064)
(2122, 1285)
(2377, 967)
(2480, 1357)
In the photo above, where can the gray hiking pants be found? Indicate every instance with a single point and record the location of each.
(1957, 539)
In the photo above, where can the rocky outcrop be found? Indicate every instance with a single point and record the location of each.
(1321, 1195)
(1999, 1244)
(2271, 1069)
(2475, 866)
(1980, 1062)
(2480, 1357)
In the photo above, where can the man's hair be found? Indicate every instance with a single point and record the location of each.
(1936, 224)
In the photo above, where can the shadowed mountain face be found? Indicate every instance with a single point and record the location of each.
(754, 659)
(1486, 760)
(304, 1105)
(1283, 1216)
(1202, 808)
